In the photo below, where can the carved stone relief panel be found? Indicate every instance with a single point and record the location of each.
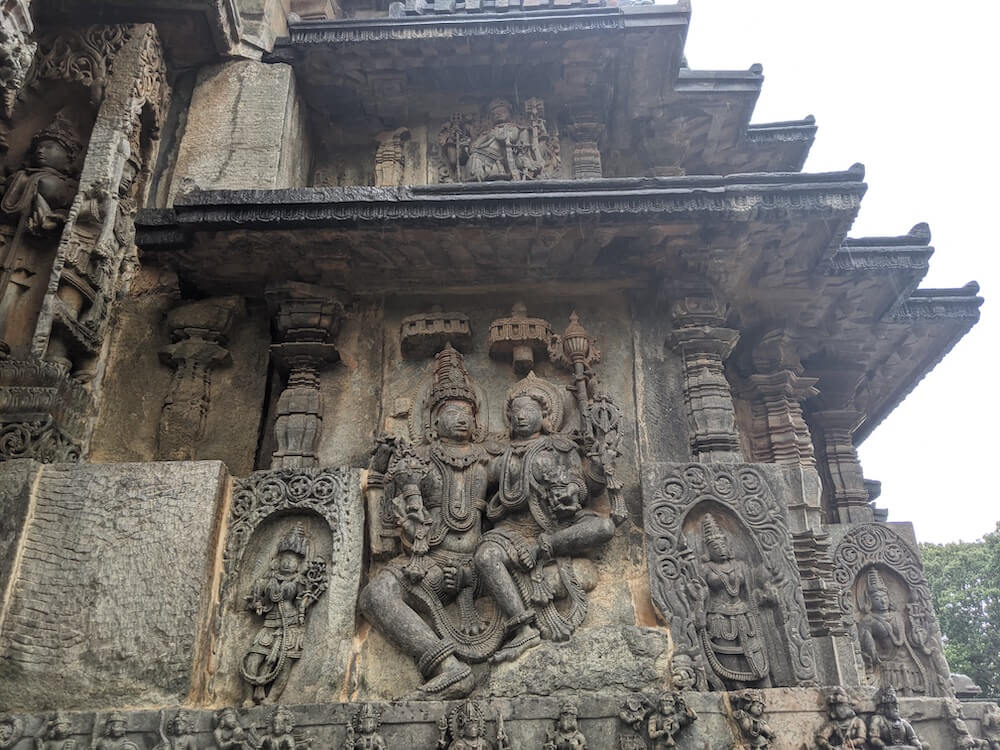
(110, 591)
(884, 594)
(723, 575)
(291, 570)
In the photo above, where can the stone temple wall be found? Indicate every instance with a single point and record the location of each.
(444, 375)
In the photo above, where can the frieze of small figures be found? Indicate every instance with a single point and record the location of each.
(56, 734)
(464, 728)
(887, 729)
(282, 596)
(11, 731)
(362, 730)
(566, 734)
(748, 713)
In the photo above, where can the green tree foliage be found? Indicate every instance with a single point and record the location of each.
(965, 585)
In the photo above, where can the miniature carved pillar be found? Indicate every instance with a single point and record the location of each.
(586, 130)
(780, 434)
(834, 419)
(307, 319)
(390, 157)
(699, 338)
(199, 332)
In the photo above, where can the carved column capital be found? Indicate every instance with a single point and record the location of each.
(586, 130)
(199, 330)
(306, 319)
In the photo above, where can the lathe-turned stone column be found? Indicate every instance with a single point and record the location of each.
(700, 338)
(776, 390)
(198, 331)
(834, 417)
(307, 319)
(586, 130)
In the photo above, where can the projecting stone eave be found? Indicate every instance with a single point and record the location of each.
(942, 317)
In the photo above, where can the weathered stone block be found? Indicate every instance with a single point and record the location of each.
(16, 480)
(246, 129)
(109, 603)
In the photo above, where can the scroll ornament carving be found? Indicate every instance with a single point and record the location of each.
(85, 56)
(899, 643)
(16, 54)
(714, 603)
(502, 146)
(11, 731)
(41, 440)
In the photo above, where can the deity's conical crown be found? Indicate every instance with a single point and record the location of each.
(61, 131)
(368, 711)
(568, 708)
(886, 696)
(837, 695)
(115, 716)
(451, 380)
(710, 530)
(875, 582)
(295, 541)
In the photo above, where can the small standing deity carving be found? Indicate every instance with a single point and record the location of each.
(282, 597)
(730, 623)
(672, 714)
(887, 730)
(229, 733)
(885, 649)
(362, 731)
(11, 731)
(748, 712)
(633, 715)
(114, 734)
(844, 729)
(465, 729)
(566, 734)
(178, 735)
(56, 735)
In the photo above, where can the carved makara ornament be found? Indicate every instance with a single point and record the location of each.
(282, 597)
(503, 146)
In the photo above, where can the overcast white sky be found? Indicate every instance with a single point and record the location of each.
(909, 89)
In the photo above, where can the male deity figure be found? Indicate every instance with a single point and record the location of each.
(884, 646)
(844, 729)
(672, 714)
(36, 200)
(179, 733)
(57, 734)
(281, 596)
(540, 519)
(506, 151)
(281, 732)
(566, 735)
(437, 494)
(729, 621)
(749, 717)
(114, 734)
(229, 733)
(362, 731)
(887, 730)
(466, 726)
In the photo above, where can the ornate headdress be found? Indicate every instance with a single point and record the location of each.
(115, 716)
(181, 723)
(875, 582)
(295, 541)
(285, 715)
(61, 131)
(466, 714)
(367, 711)
(886, 696)
(497, 103)
(568, 708)
(711, 533)
(545, 393)
(451, 380)
(750, 695)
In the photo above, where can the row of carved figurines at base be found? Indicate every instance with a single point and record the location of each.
(660, 721)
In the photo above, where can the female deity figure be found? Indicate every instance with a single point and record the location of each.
(436, 495)
(672, 714)
(281, 596)
(886, 652)
(114, 734)
(887, 730)
(732, 632)
(506, 150)
(540, 519)
(362, 731)
(36, 200)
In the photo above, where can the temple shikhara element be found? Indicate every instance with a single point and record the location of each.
(444, 375)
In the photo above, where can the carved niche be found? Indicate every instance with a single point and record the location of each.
(723, 574)
(501, 145)
(884, 594)
(287, 538)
